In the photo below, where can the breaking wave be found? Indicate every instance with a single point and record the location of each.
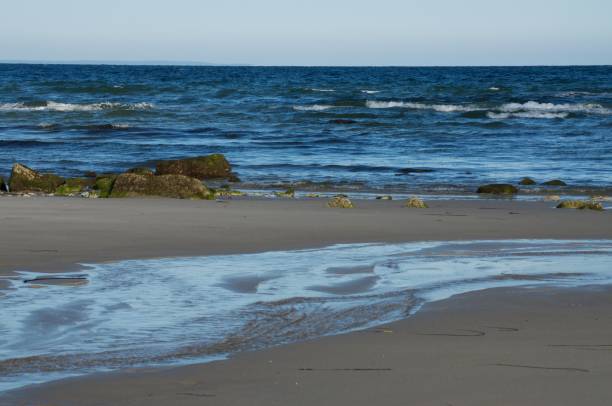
(443, 108)
(314, 107)
(72, 107)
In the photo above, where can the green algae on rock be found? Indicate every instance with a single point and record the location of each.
(580, 205)
(416, 203)
(289, 193)
(174, 186)
(24, 179)
(498, 189)
(555, 182)
(104, 185)
(213, 166)
(526, 181)
(340, 202)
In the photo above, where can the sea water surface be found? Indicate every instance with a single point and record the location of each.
(184, 310)
(434, 129)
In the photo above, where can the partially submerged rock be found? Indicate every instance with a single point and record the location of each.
(24, 179)
(385, 197)
(175, 186)
(213, 166)
(141, 170)
(527, 181)
(580, 205)
(340, 202)
(555, 182)
(498, 189)
(416, 203)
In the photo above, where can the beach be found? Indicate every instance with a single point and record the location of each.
(541, 345)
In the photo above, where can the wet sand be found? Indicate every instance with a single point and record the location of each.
(540, 346)
(54, 234)
(513, 346)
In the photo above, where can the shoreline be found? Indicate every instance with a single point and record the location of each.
(503, 338)
(55, 234)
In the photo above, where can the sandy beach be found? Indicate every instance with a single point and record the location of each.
(499, 346)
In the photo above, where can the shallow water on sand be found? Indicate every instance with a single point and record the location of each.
(181, 310)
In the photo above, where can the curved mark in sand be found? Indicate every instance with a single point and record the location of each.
(569, 369)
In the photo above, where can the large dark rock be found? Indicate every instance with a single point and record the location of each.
(555, 182)
(176, 186)
(527, 181)
(141, 170)
(498, 189)
(2, 185)
(24, 179)
(204, 167)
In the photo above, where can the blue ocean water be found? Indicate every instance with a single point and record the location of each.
(366, 127)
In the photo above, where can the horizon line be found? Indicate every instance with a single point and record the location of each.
(209, 64)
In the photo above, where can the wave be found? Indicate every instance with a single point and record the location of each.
(322, 90)
(28, 143)
(314, 107)
(370, 91)
(527, 114)
(530, 109)
(443, 108)
(71, 107)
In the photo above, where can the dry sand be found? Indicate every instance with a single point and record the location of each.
(494, 347)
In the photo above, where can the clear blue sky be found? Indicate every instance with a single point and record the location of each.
(310, 32)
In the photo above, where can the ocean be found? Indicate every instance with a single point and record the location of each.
(405, 129)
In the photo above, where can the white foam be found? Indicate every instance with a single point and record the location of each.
(531, 114)
(443, 108)
(370, 91)
(494, 89)
(72, 107)
(323, 90)
(314, 107)
(533, 106)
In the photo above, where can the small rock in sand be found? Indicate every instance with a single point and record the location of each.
(580, 205)
(340, 202)
(416, 203)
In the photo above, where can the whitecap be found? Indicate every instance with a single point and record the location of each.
(494, 89)
(527, 114)
(72, 107)
(529, 106)
(443, 108)
(322, 90)
(314, 107)
(370, 91)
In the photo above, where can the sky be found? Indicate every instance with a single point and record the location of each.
(310, 32)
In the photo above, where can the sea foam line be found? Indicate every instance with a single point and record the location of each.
(72, 107)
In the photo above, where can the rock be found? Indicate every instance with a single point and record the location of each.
(552, 198)
(141, 170)
(340, 202)
(74, 186)
(498, 189)
(24, 179)
(385, 197)
(90, 174)
(205, 167)
(313, 195)
(416, 203)
(104, 185)
(289, 193)
(2, 185)
(176, 186)
(555, 182)
(527, 182)
(580, 205)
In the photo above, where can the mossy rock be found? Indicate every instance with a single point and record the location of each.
(580, 205)
(288, 194)
(340, 202)
(141, 170)
(74, 186)
(213, 166)
(527, 181)
(498, 189)
(416, 203)
(24, 179)
(175, 186)
(66, 190)
(104, 185)
(555, 182)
